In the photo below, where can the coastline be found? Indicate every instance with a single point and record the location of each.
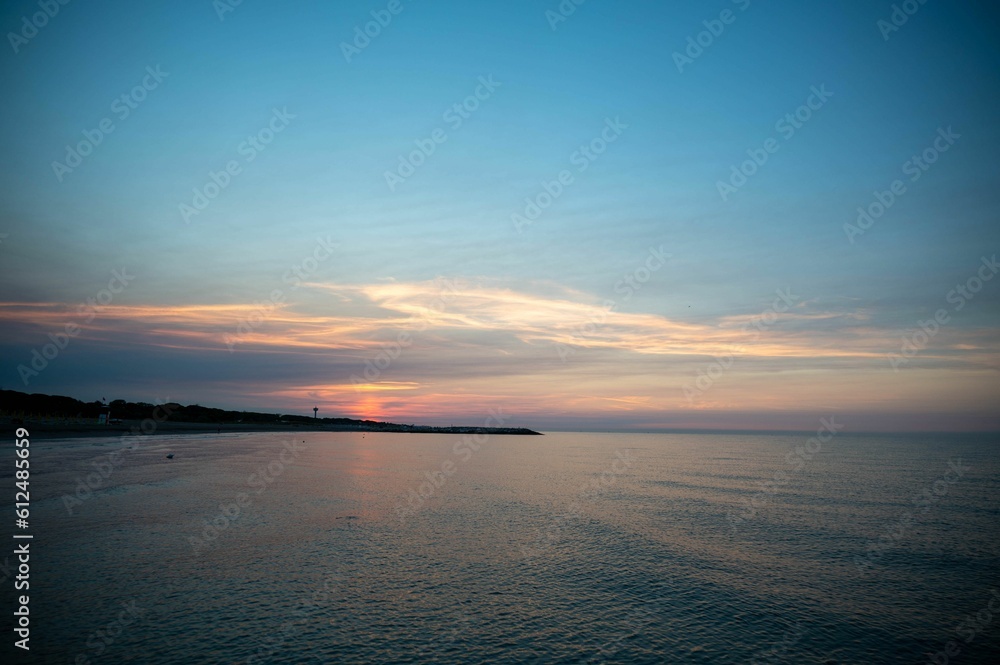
(73, 430)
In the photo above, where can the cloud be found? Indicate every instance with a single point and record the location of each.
(472, 345)
(479, 318)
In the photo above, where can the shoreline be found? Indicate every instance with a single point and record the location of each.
(70, 430)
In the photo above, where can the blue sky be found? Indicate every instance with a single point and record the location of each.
(523, 294)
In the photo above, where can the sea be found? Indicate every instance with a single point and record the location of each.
(826, 547)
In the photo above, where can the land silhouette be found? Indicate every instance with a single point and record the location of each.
(58, 416)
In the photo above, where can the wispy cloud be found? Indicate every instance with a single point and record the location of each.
(497, 345)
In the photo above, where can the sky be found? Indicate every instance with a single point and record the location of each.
(644, 215)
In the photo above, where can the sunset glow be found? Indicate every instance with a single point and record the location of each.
(588, 237)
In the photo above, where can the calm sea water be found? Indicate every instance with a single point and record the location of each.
(567, 548)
